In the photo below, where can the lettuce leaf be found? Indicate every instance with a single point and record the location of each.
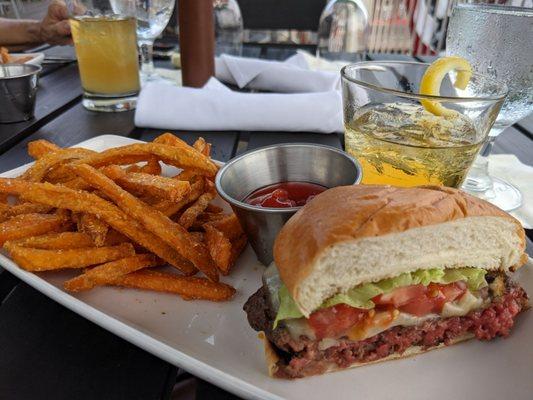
(361, 295)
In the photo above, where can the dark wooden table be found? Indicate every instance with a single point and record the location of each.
(48, 351)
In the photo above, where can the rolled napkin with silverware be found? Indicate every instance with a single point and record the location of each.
(293, 75)
(215, 107)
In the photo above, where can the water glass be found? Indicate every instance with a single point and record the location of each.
(343, 31)
(152, 18)
(228, 27)
(105, 42)
(497, 41)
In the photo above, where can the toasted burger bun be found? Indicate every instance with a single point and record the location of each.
(272, 358)
(356, 234)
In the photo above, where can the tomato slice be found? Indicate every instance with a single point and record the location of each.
(417, 300)
(400, 296)
(446, 293)
(336, 320)
(420, 300)
(421, 305)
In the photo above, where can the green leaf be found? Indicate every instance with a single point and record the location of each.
(287, 307)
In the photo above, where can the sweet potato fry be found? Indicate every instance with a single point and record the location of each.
(211, 208)
(170, 232)
(78, 201)
(56, 241)
(3, 209)
(169, 208)
(63, 212)
(202, 146)
(205, 218)
(58, 174)
(171, 140)
(22, 208)
(15, 187)
(198, 236)
(237, 247)
(41, 147)
(27, 225)
(188, 287)
(77, 184)
(4, 55)
(152, 167)
(187, 175)
(106, 273)
(114, 237)
(219, 248)
(121, 206)
(37, 260)
(39, 169)
(229, 226)
(190, 214)
(181, 157)
(94, 227)
(153, 185)
(207, 150)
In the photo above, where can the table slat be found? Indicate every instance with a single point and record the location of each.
(261, 139)
(279, 53)
(249, 50)
(526, 125)
(513, 141)
(70, 128)
(57, 92)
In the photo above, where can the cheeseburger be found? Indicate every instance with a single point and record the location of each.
(371, 273)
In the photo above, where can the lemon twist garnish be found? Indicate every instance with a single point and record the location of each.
(432, 80)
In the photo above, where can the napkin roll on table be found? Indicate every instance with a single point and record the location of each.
(290, 76)
(301, 99)
(215, 107)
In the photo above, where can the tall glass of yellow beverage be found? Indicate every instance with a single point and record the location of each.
(105, 39)
(403, 138)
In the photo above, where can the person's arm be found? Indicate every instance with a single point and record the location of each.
(19, 31)
(53, 29)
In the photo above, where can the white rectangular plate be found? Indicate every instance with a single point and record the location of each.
(215, 342)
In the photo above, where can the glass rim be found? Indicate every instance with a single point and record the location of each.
(496, 8)
(418, 96)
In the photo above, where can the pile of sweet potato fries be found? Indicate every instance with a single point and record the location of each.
(112, 215)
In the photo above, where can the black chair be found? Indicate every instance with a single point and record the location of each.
(301, 15)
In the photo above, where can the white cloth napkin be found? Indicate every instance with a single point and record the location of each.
(293, 75)
(215, 107)
(508, 167)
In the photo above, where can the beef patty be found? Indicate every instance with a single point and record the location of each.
(302, 357)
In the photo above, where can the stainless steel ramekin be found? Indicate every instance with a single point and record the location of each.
(18, 87)
(323, 165)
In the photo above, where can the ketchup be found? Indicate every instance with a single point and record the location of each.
(284, 194)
